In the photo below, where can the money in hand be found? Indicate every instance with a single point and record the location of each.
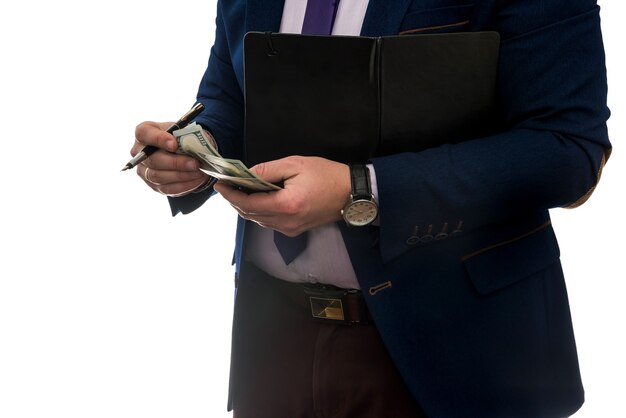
(193, 141)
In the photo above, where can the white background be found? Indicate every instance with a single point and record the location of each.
(109, 307)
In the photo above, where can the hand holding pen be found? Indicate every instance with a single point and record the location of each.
(180, 124)
(165, 171)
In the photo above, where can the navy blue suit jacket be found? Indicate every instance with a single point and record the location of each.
(463, 275)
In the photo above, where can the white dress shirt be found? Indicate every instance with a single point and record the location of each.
(325, 259)
(348, 21)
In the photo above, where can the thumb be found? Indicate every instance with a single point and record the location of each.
(275, 171)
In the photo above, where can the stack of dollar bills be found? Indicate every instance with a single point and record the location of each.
(193, 141)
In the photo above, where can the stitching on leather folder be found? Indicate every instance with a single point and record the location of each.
(451, 25)
(500, 244)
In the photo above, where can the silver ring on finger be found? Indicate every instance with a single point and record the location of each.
(145, 175)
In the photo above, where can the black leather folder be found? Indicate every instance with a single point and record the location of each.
(351, 98)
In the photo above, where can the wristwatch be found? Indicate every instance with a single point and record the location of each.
(361, 210)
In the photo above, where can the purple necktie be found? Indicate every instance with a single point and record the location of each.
(289, 248)
(319, 17)
(318, 20)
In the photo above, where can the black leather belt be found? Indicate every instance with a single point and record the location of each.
(333, 304)
(325, 303)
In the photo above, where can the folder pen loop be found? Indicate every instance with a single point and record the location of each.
(270, 46)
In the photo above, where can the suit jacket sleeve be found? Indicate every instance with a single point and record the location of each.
(552, 98)
(221, 94)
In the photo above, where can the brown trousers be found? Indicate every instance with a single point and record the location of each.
(285, 364)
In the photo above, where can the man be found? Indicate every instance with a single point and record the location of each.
(466, 308)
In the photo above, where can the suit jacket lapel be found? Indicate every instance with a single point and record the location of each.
(264, 15)
(384, 17)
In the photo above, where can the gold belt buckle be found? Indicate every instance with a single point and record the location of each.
(326, 303)
(326, 308)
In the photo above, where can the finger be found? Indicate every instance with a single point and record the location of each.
(152, 133)
(264, 208)
(163, 160)
(240, 212)
(146, 177)
(269, 208)
(142, 172)
(230, 193)
(264, 225)
(170, 189)
(264, 221)
(179, 189)
(237, 199)
(278, 170)
(167, 177)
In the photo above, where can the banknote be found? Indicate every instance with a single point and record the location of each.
(234, 168)
(193, 141)
(246, 184)
(235, 173)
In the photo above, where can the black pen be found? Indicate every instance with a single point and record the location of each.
(149, 149)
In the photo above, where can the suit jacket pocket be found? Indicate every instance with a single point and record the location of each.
(439, 20)
(504, 263)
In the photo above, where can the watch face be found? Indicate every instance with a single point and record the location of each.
(360, 212)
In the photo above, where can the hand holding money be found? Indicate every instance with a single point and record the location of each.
(165, 171)
(315, 190)
(193, 141)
